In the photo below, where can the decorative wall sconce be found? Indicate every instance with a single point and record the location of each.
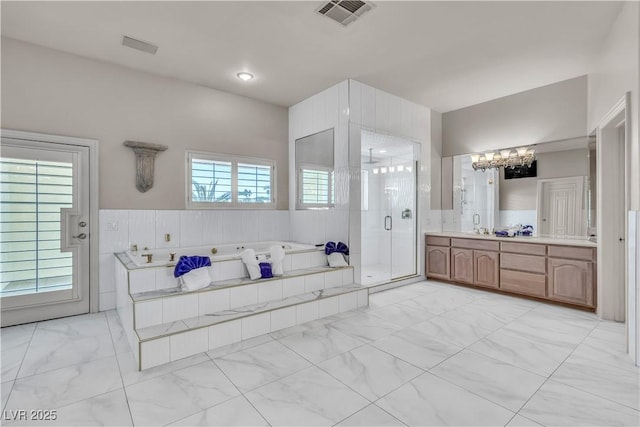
(509, 158)
(145, 159)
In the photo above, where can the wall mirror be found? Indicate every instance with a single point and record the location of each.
(314, 171)
(559, 201)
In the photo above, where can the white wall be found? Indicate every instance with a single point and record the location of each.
(548, 113)
(433, 220)
(616, 71)
(48, 91)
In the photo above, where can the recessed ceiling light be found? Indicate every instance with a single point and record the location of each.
(382, 151)
(244, 76)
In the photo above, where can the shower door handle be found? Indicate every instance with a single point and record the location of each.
(388, 223)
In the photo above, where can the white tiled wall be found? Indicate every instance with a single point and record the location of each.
(155, 353)
(283, 318)
(256, 325)
(325, 110)
(384, 113)
(224, 334)
(119, 229)
(188, 343)
(307, 312)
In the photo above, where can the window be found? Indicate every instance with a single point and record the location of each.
(215, 180)
(31, 196)
(316, 187)
(314, 165)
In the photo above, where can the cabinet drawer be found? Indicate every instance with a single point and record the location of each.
(523, 283)
(530, 263)
(437, 241)
(523, 248)
(572, 252)
(485, 245)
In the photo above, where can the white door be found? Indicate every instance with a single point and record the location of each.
(44, 244)
(560, 206)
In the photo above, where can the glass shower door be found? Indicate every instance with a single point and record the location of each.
(402, 209)
(388, 214)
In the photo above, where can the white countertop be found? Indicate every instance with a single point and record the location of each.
(520, 239)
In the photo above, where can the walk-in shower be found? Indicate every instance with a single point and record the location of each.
(388, 208)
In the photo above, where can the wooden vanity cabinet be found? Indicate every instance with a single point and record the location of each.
(437, 257)
(523, 268)
(437, 262)
(486, 269)
(559, 273)
(462, 265)
(475, 262)
(571, 280)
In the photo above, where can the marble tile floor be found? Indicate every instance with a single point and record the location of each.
(425, 354)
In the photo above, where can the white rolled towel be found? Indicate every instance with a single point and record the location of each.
(336, 259)
(249, 258)
(277, 257)
(197, 278)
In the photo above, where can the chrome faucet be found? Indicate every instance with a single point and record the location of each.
(476, 222)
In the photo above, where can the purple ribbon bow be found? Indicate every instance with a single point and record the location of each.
(331, 247)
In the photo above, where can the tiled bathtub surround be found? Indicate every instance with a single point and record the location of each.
(502, 372)
(163, 324)
(119, 229)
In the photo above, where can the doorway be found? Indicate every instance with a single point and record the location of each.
(616, 294)
(388, 208)
(560, 207)
(46, 227)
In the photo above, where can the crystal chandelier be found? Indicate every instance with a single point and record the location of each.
(509, 158)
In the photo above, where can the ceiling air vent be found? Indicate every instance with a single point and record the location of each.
(139, 45)
(344, 11)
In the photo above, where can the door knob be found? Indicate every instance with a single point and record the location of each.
(80, 236)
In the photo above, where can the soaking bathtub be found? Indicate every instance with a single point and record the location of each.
(160, 257)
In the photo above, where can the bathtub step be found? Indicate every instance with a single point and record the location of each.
(171, 341)
(346, 277)
(162, 307)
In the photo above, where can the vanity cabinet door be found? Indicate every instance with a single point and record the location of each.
(462, 265)
(486, 268)
(570, 281)
(438, 262)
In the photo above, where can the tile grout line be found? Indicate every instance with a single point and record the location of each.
(237, 388)
(124, 389)
(362, 409)
(551, 374)
(4, 406)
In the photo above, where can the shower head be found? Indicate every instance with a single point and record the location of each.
(370, 162)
